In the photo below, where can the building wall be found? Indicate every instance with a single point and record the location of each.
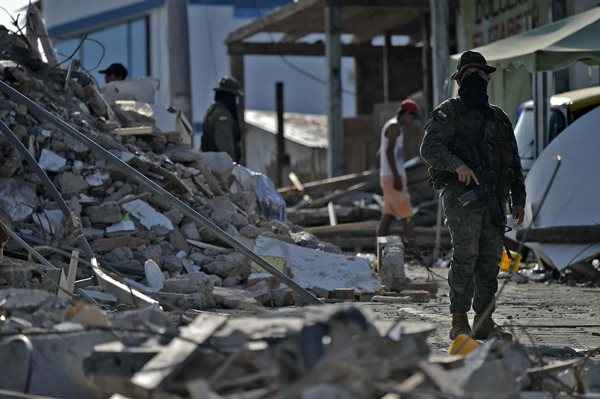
(68, 20)
(209, 26)
(210, 21)
(484, 21)
(61, 12)
(580, 74)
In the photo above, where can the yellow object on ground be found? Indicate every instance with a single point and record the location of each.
(510, 265)
(463, 345)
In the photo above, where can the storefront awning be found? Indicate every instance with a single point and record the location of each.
(549, 47)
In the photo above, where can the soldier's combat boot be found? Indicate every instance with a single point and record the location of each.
(485, 328)
(460, 325)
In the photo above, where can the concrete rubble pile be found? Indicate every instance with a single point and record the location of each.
(67, 349)
(65, 335)
(141, 237)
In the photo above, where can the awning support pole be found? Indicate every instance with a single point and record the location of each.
(335, 121)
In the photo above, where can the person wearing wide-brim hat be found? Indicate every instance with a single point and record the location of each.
(221, 126)
(473, 159)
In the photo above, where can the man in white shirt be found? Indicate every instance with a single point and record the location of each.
(393, 180)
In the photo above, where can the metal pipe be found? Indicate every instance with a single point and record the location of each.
(154, 188)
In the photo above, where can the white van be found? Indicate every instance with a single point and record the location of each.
(565, 109)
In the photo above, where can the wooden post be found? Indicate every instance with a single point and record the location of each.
(439, 29)
(179, 58)
(426, 61)
(387, 47)
(280, 134)
(335, 122)
(541, 103)
(237, 70)
(439, 44)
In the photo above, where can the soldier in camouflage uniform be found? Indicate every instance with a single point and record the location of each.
(471, 149)
(221, 127)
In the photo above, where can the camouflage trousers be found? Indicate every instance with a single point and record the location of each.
(477, 247)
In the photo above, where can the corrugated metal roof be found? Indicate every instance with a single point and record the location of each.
(305, 129)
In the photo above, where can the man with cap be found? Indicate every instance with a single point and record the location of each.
(221, 128)
(471, 149)
(114, 72)
(396, 199)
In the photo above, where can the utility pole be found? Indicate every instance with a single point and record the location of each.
(440, 56)
(282, 159)
(179, 57)
(439, 43)
(335, 121)
(387, 48)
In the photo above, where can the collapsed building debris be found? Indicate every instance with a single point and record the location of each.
(121, 237)
(345, 210)
(124, 220)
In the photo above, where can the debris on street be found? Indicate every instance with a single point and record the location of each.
(135, 265)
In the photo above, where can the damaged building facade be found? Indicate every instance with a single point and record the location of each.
(136, 33)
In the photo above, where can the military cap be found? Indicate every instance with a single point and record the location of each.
(229, 85)
(472, 59)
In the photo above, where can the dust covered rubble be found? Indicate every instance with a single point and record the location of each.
(125, 225)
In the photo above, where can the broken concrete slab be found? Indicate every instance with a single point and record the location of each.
(232, 298)
(189, 283)
(97, 179)
(311, 268)
(17, 198)
(58, 364)
(51, 161)
(124, 226)
(154, 275)
(14, 299)
(72, 183)
(147, 215)
(51, 221)
(105, 213)
(190, 231)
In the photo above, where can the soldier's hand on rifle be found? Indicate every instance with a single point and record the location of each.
(518, 214)
(465, 174)
(398, 185)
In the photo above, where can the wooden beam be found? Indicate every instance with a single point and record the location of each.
(421, 4)
(387, 23)
(262, 24)
(176, 355)
(319, 187)
(584, 234)
(314, 49)
(292, 37)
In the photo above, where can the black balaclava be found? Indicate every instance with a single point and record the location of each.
(473, 91)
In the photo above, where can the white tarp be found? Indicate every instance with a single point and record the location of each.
(574, 197)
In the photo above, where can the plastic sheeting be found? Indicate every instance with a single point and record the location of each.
(574, 196)
(270, 203)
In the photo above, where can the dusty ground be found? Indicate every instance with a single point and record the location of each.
(559, 320)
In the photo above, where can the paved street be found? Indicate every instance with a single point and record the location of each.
(558, 319)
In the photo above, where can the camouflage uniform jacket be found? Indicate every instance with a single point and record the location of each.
(220, 132)
(482, 139)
